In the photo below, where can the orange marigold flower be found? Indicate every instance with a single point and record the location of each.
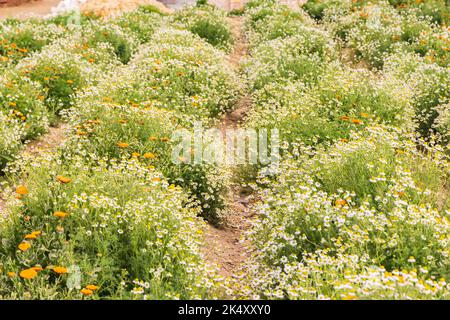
(345, 118)
(86, 292)
(60, 214)
(22, 190)
(165, 139)
(92, 287)
(63, 179)
(123, 145)
(153, 138)
(340, 202)
(60, 270)
(149, 155)
(357, 121)
(24, 246)
(28, 274)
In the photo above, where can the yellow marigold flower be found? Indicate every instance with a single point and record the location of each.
(153, 138)
(92, 287)
(349, 296)
(12, 104)
(28, 274)
(122, 121)
(123, 145)
(11, 274)
(60, 270)
(86, 292)
(156, 179)
(364, 115)
(37, 233)
(60, 214)
(24, 246)
(81, 133)
(165, 139)
(149, 155)
(63, 179)
(135, 154)
(69, 81)
(22, 190)
(30, 236)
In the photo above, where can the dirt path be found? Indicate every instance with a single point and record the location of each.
(45, 143)
(48, 142)
(224, 247)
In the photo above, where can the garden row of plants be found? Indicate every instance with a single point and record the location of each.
(107, 214)
(358, 208)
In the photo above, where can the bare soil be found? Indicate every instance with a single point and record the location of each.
(47, 142)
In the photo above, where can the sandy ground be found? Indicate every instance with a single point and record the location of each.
(34, 8)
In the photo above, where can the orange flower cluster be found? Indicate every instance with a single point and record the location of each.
(89, 289)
